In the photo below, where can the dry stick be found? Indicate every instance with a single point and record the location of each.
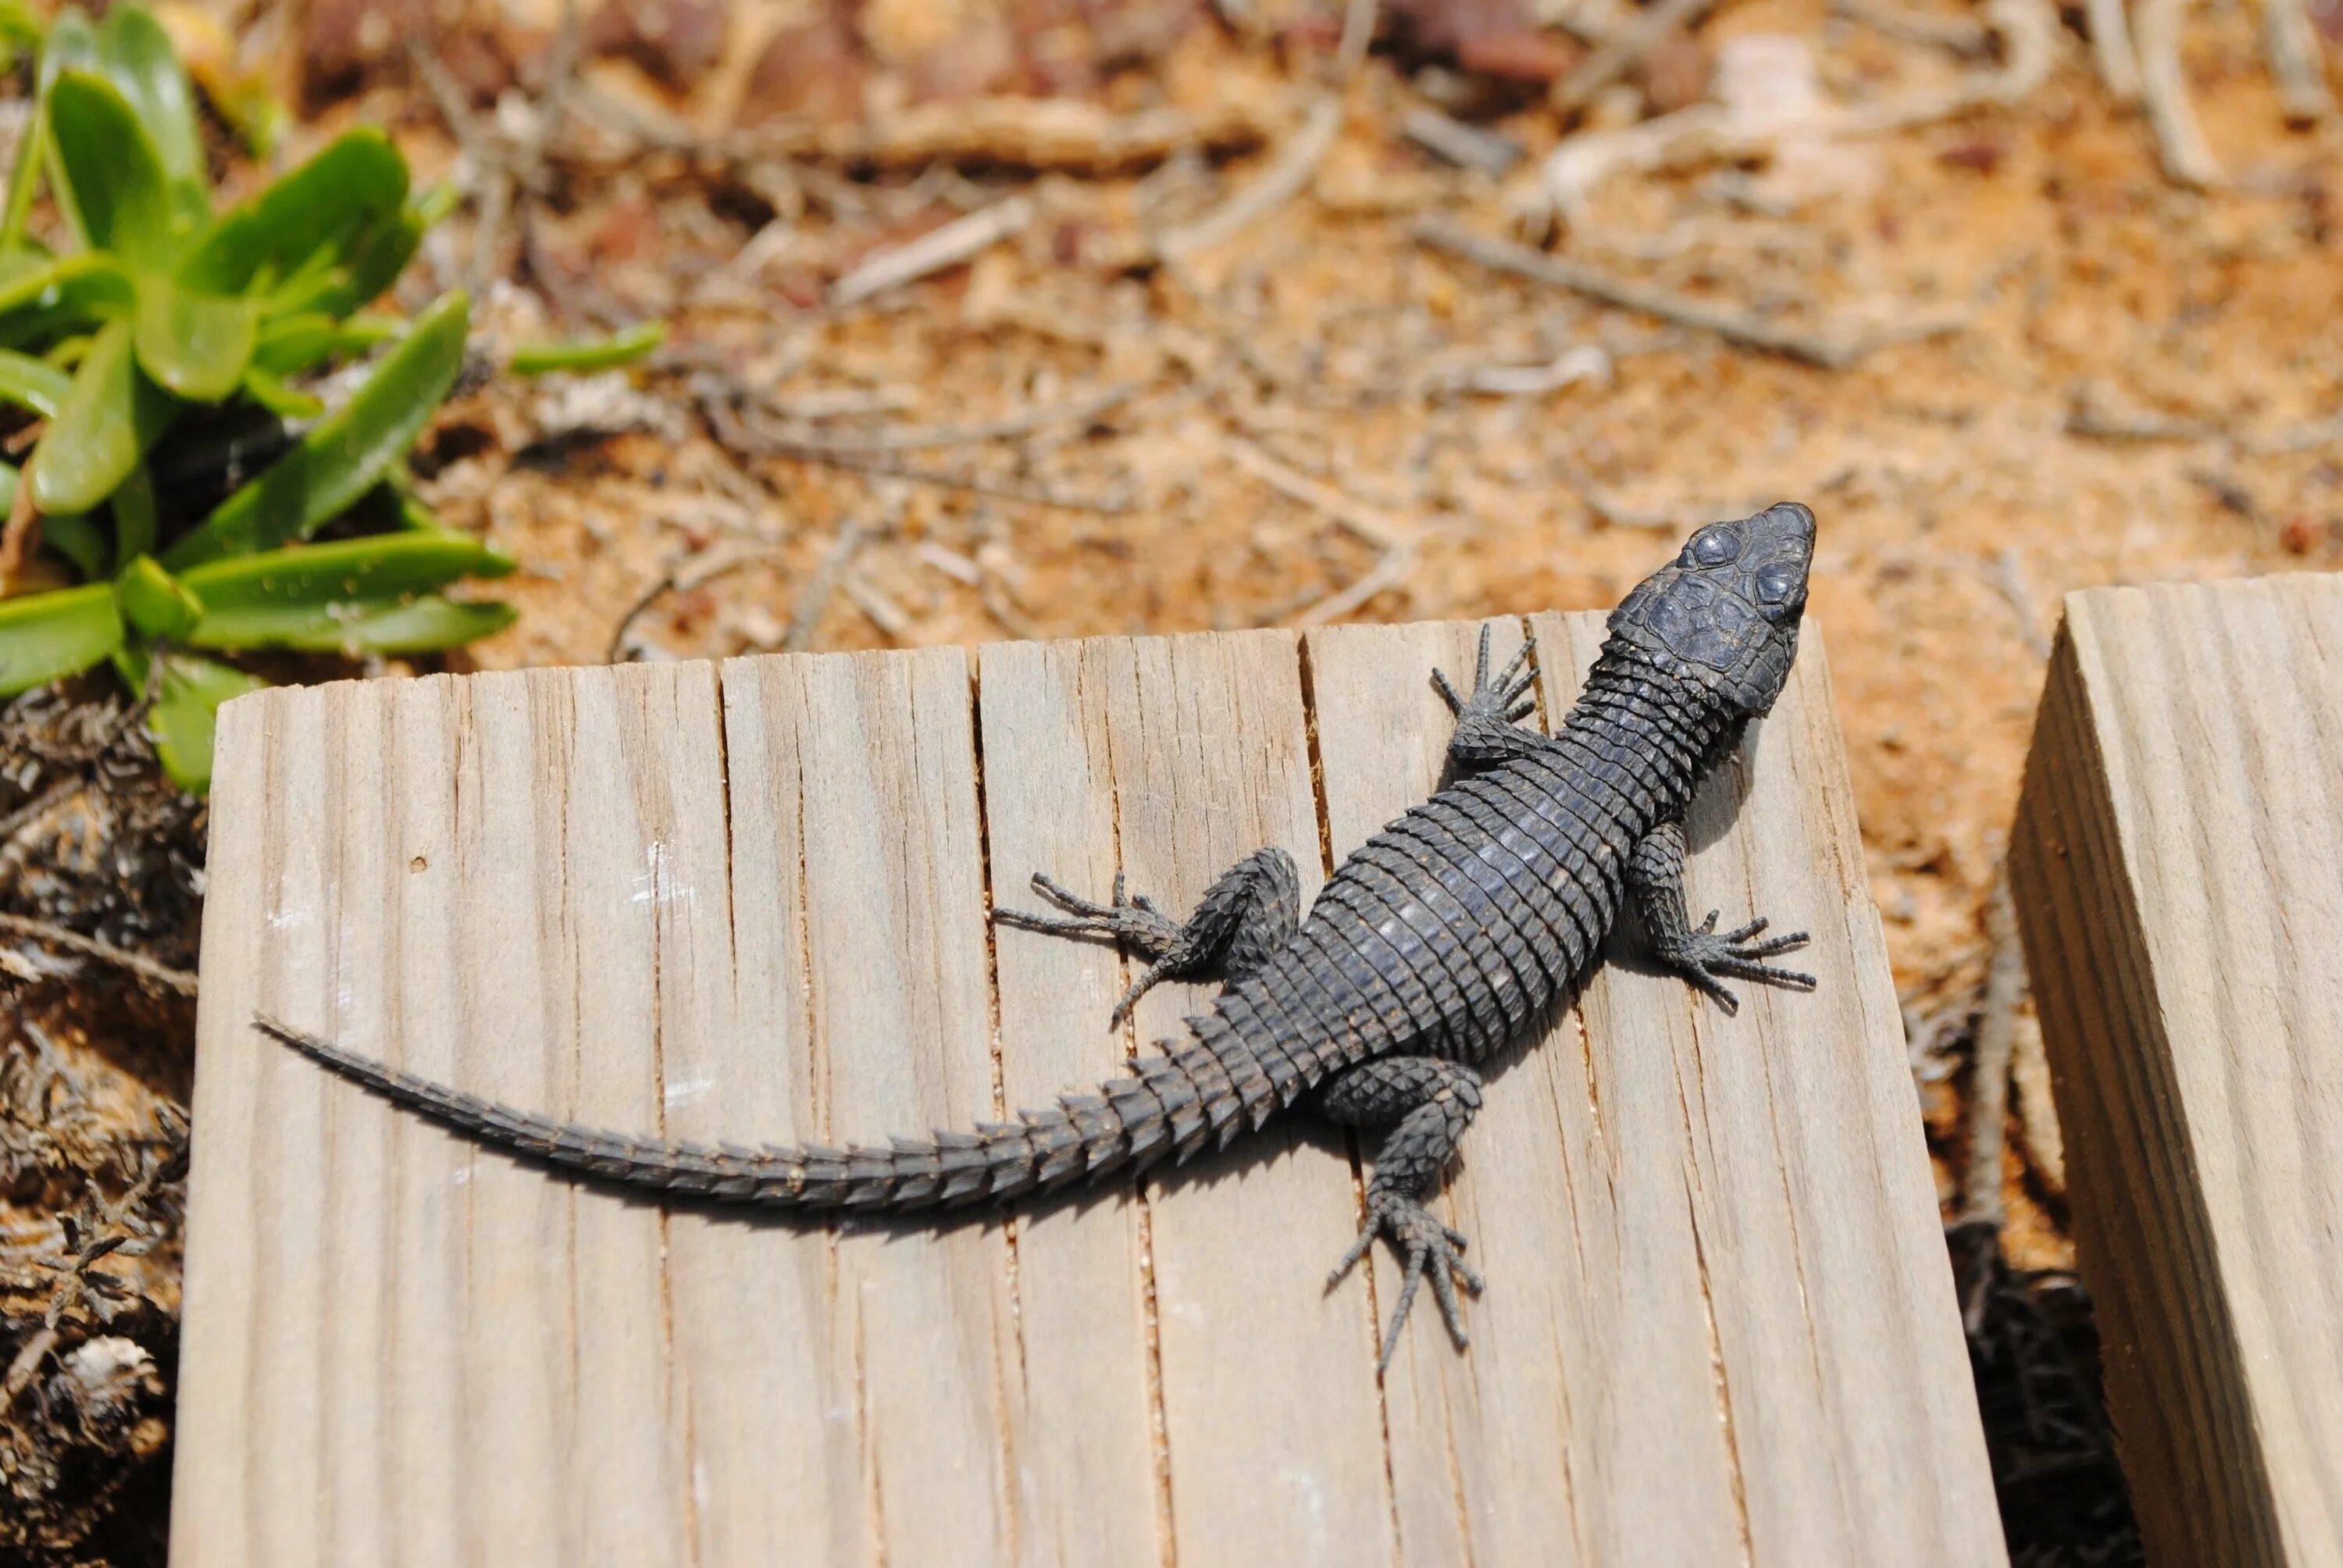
(1618, 514)
(1829, 351)
(75, 1285)
(2180, 139)
(56, 936)
(2038, 1120)
(733, 432)
(974, 484)
(1296, 161)
(1466, 146)
(1062, 135)
(918, 437)
(1369, 523)
(2007, 572)
(2111, 49)
(1276, 185)
(1358, 37)
(1392, 569)
(1396, 539)
(33, 810)
(948, 246)
(1618, 53)
(673, 582)
(2005, 984)
(2296, 439)
(493, 180)
(1959, 35)
(19, 536)
(807, 616)
(2092, 420)
(2028, 35)
(2295, 60)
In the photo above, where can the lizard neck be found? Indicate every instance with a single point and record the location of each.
(1666, 716)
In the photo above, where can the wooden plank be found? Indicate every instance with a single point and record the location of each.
(2179, 868)
(750, 903)
(1091, 1486)
(892, 927)
(1719, 1325)
(1270, 1403)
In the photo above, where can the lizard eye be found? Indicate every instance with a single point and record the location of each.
(1777, 584)
(1714, 546)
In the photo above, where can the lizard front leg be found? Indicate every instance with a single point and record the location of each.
(1427, 1101)
(1487, 733)
(1701, 953)
(1251, 912)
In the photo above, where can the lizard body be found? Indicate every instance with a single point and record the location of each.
(1429, 949)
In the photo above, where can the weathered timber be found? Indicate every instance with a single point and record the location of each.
(2179, 868)
(747, 902)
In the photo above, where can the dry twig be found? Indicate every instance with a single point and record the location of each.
(1367, 522)
(1392, 569)
(1276, 185)
(1618, 55)
(2111, 49)
(1956, 35)
(1397, 540)
(2007, 572)
(1057, 135)
(1737, 131)
(742, 432)
(957, 241)
(926, 437)
(20, 537)
(2005, 986)
(2295, 61)
(1608, 508)
(1466, 146)
(113, 1233)
(807, 616)
(677, 581)
(1828, 350)
(2179, 140)
(2091, 419)
(56, 936)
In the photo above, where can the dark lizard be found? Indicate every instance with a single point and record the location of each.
(1432, 946)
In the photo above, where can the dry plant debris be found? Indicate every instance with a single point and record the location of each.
(100, 888)
(1047, 320)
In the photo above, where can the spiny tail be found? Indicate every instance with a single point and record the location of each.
(1209, 1088)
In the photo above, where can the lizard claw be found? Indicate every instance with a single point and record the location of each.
(1430, 1247)
(1505, 698)
(1703, 954)
(1132, 920)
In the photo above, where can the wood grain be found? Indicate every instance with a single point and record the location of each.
(2178, 867)
(748, 902)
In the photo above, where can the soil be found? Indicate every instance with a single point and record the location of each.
(2131, 356)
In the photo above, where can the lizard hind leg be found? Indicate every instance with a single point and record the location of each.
(1426, 1101)
(1245, 917)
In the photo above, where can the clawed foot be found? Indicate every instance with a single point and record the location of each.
(1429, 1247)
(1133, 920)
(1703, 954)
(1505, 699)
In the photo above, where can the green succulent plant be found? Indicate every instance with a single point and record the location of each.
(161, 344)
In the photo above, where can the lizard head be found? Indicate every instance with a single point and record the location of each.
(1726, 611)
